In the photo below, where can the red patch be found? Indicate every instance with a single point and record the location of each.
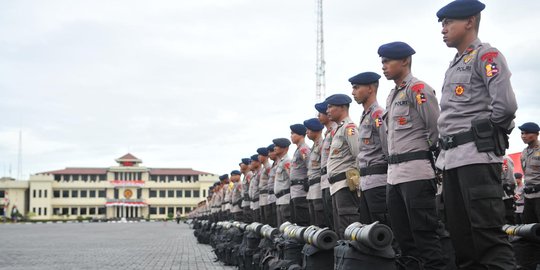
(350, 125)
(287, 165)
(304, 150)
(376, 115)
(418, 87)
(489, 56)
(402, 121)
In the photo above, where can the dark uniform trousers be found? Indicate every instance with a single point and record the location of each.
(345, 206)
(262, 210)
(373, 206)
(270, 215)
(300, 211)
(509, 209)
(316, 213)
(531, 211)
(283, 213)
(328, 209)
(412, 211)
(247, 214)
(475, 214)
(238, 216)
(256, 215)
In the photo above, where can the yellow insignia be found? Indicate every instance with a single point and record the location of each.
(459, 90)
(467, 58)
(402, 95)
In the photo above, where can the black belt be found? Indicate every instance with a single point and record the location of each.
(531, 189)
(298, 182)
(376, 169)
(255, 199)
(399, 158)
(223, 203)
(246, 198)
(282, 193)
(271, 192)
(336, 178)
(520, 204)
(314, 181)
(452, 141)
(324, 170)
(263, 192)
(237, 203)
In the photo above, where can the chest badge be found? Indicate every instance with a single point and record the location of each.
(467, 58)
(366, 141)
(402, 121)
(459, 90)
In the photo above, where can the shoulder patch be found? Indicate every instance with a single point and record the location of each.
(350, 130)
(350, 125)
(377, 116)
(287, 166)
(489, 56)
(418, 87)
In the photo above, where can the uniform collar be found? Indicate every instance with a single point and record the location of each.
(469, 49)
(405, 82)
(370, 109)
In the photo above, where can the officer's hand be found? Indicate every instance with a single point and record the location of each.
(353, 179)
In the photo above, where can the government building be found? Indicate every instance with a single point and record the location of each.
(127, 190)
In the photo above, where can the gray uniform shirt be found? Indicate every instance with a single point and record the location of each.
(343, 151)
(271, 180)
(476, 86)
(263, 184)
(412, 113)
(299, 168)
(507, 174)
(236, 197)
(282, 181)
(314, 170)
(227, 198)
(530, 161)
(325, 153)
(254, 189)
(373, 146)
(245, 188)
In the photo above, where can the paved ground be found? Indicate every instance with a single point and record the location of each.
(148, 245)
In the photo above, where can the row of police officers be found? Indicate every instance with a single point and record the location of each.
(388, 167)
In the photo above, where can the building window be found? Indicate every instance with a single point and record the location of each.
(196, 193)
(34, 196)
(74, 194)
(92, 194)
(44, 193)
(101, 211)
(75, 177)
(152, 193)
(187, 193)
(204, 193)
(170, 193)
(170, 210)
(179, 193)
(34, 209)
(65, 211)
(116, 176)
(195, 178)
(162, 178)
(102, 193)
(56, 193)
(83, 211)
(57, 177)
(180, 209)
(181, 178)
(162, 210)
(56, 211)
(102, 177)
(139, 193)
(153, 211)
(74, 211)
(45, 211)
(116, 193)
(65, 193)
(39, 192)
(84, 177)
(153, 178)
(2, 193)
(162, 193)
(39, 211)
(84, 193)
(93, 177)
(92, 211)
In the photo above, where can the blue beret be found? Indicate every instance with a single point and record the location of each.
(321, 107)
(223, 177)
(281, 142)
(460, 9)
(255, 157)
(518, 175)
(396, 50)
(298, 129)
(236, 172)
(263, 151)
(218, 182)
(246, 161)
(270, 148)
(313, 124)
(365, 78)
(338, 99)
(530, 127)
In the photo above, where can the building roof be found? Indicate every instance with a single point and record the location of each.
(78, 171)
(175, 171)
(128, 156)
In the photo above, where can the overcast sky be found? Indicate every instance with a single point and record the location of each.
(204, 83)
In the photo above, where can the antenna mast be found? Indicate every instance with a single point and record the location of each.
(320, 66)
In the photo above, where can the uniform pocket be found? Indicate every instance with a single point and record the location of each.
(402, 117)
(487, 207)
(423, 216)
(461, 88)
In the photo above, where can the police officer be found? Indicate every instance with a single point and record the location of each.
(220, 197)
(263, 183)
(236, 197)
(227, 191)
(508, 183)
(314, 196)
(412, 131)
(342, 171)
(246, 179)
(477, 100)
(519, 197)
(282, 181)
(325, 153)
(530, 161)
(373, 149)
(271, 215)
(256, 168)
(298, 175)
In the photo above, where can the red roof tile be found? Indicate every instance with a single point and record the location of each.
(175, 171)
(128, 156)
(78, 171)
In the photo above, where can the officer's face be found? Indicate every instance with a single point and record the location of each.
(392, 68)
(360, 93)
(311, 134)
(295, 138)
(262, 158)
(323, 118)
(454, 31)
(334, 112)
(272, 155)
(528, 137)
